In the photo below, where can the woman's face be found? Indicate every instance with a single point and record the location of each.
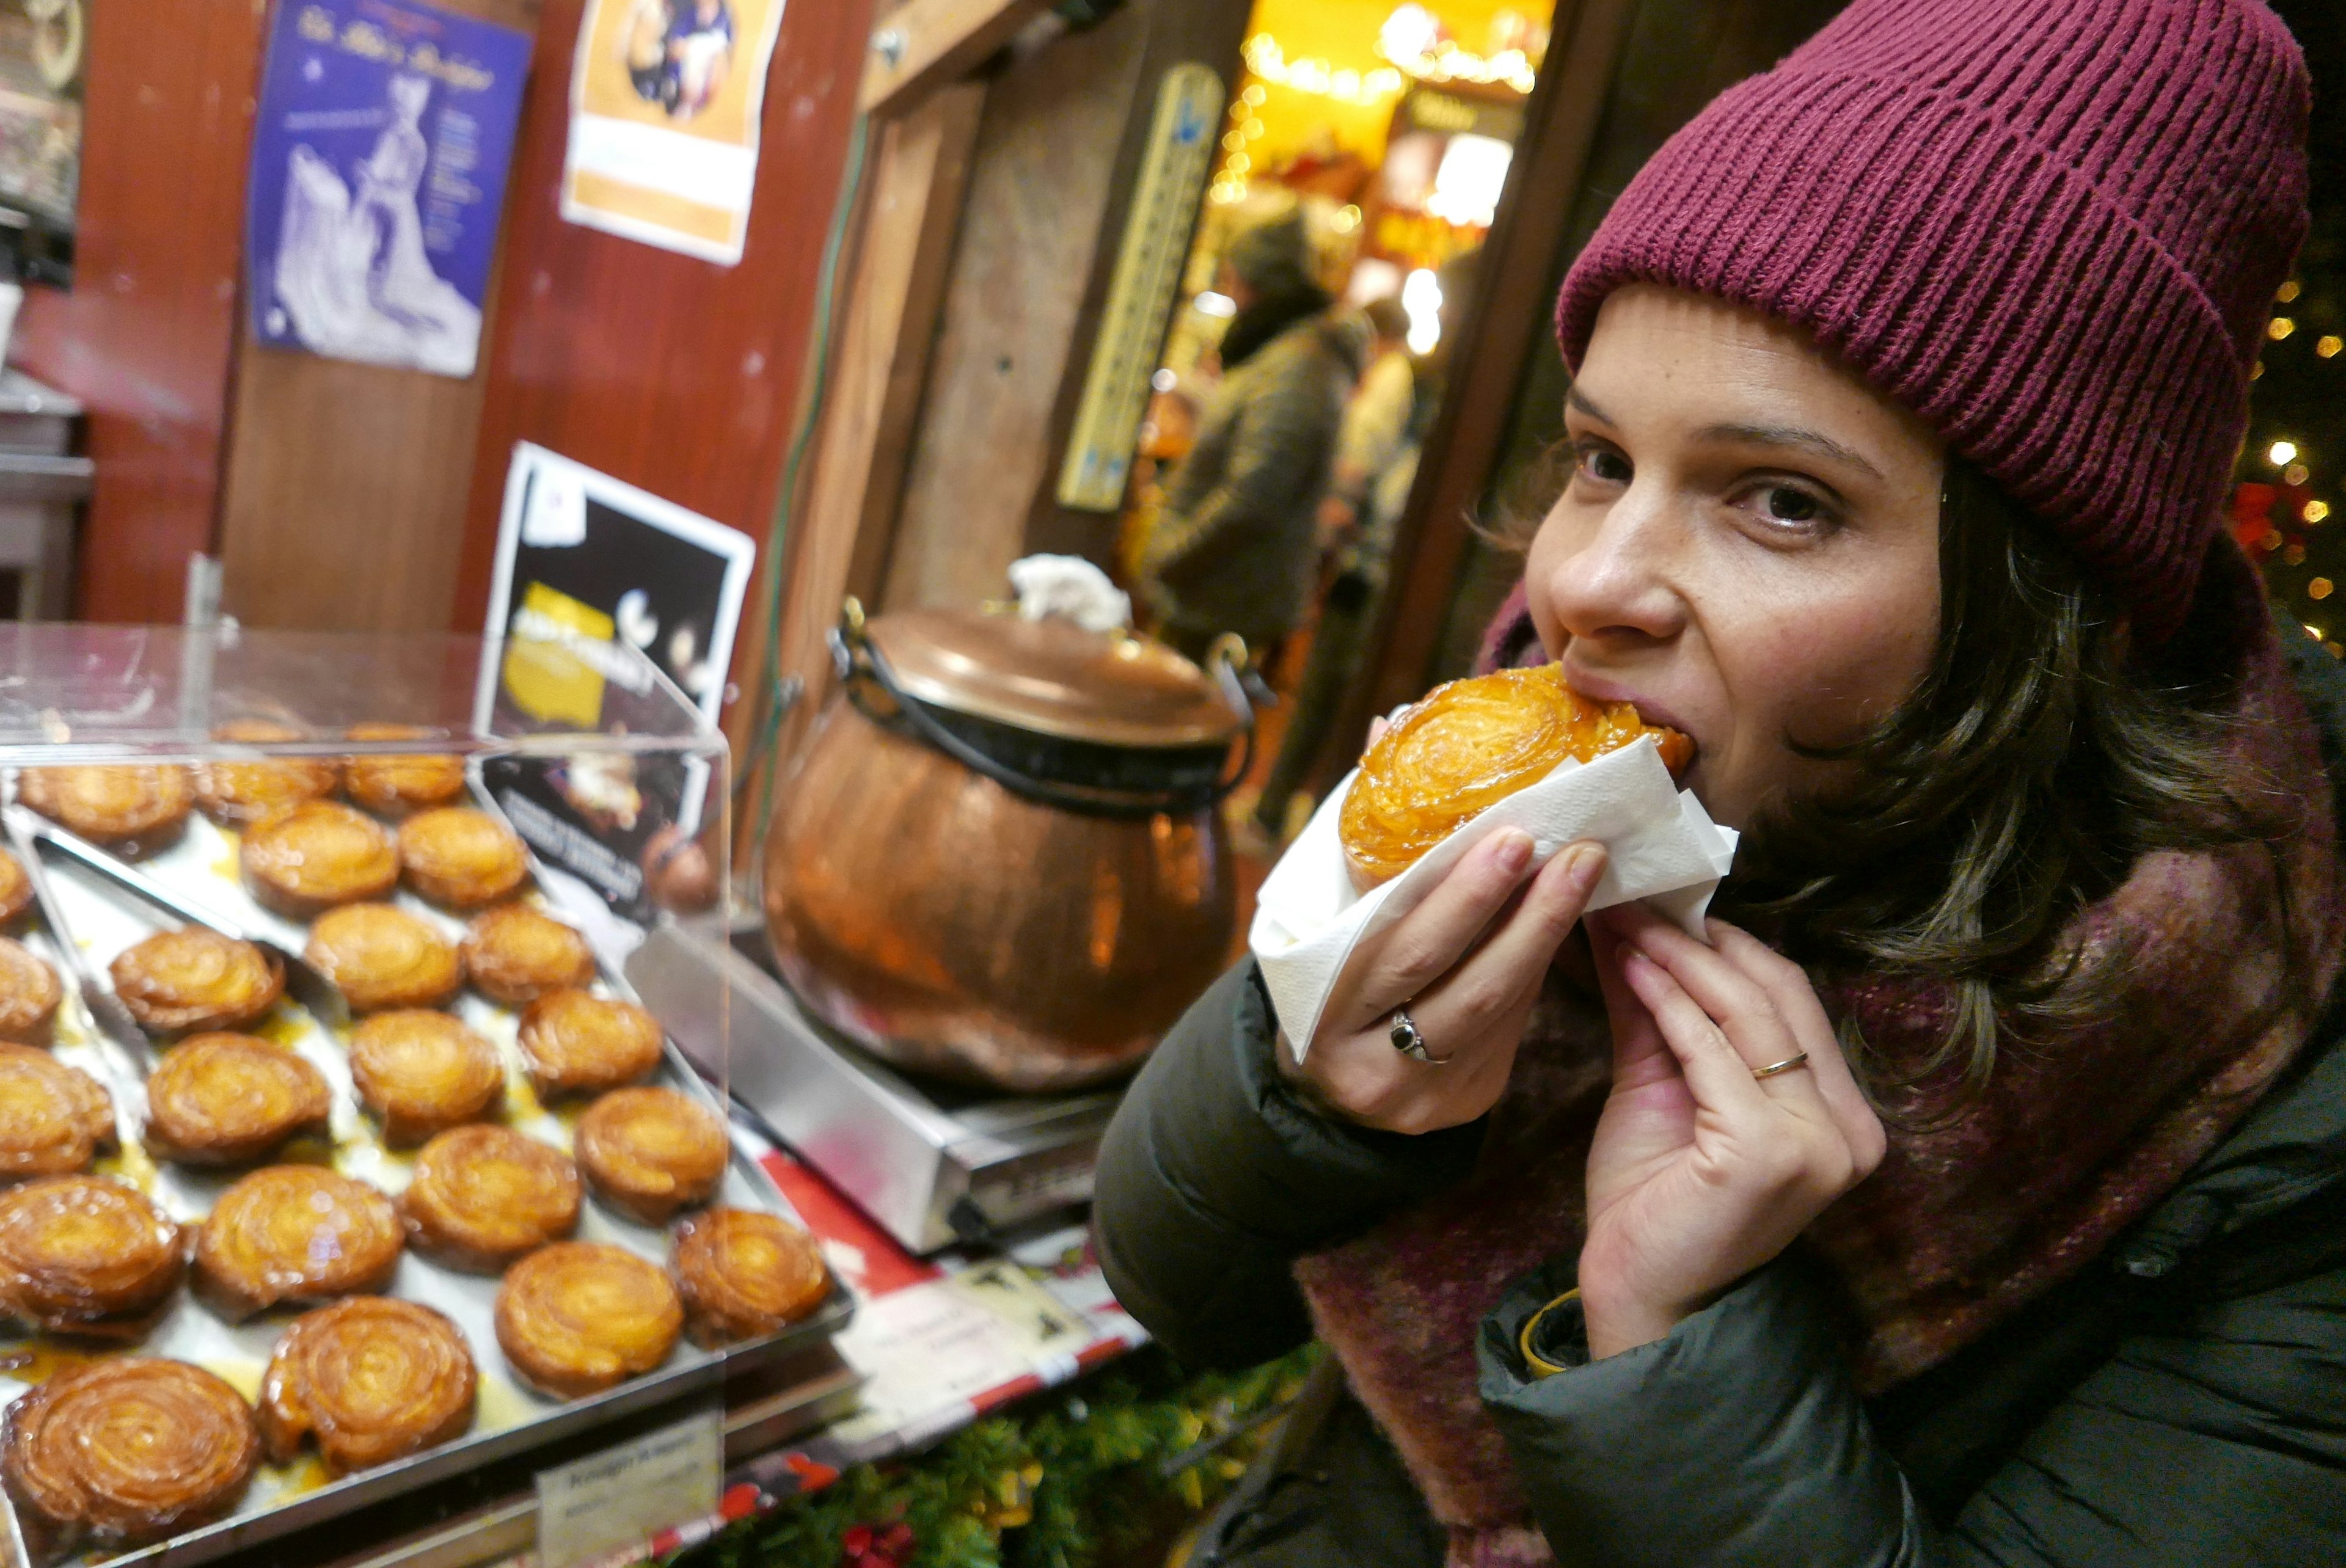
(1748, 547)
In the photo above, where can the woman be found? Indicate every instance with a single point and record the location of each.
(1993, 1208)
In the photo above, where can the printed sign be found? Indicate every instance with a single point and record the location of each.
(622, 1496)
(664, 100)
(591, 572)
(379, 158)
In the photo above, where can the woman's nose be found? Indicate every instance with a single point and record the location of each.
(1616, 582)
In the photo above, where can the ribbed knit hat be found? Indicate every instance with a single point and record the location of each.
(2053, 228)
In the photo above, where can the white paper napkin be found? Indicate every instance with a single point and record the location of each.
(1662, 848)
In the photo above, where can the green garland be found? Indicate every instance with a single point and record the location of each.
(1055, 1483)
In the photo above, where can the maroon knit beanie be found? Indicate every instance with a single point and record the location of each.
(2053, 228)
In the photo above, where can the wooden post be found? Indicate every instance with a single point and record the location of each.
(924, 43)
(893, 281)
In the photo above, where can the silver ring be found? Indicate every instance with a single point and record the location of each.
(1786, 1066)
(1409, 1042)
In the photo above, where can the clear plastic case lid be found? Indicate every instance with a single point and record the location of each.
(71, 693)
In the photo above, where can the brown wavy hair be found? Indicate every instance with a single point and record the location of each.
(2040, 756)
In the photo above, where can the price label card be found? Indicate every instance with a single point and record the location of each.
(621, 1497)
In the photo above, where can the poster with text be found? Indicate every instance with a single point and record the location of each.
(594, 578)
(665, 101)
(379, 160)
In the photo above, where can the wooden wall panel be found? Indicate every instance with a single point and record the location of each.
(147, 337)
(344, 503)
(1047, 155)
(666, 372)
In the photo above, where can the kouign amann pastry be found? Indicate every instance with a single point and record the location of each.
(380, 956)
(222, 1099)
(295, 1233)
(743, 1274)
(649, 1151)
(395, 783)
(86, 1254)
(515, 955)
(461, 857)
(129, 805)
(575, 1318)
(236, 793)
(372, 1379)
(28, 994)
(423, 1073)
(125, 1451)
(483, 1196)
(308, 858)
(576, 1043)
(1465, 747)
(16, 890)
(54, 1119)
(195, 978)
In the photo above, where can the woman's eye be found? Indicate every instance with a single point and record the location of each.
(1787, 505)
(1604, 464)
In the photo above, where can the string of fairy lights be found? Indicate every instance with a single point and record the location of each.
(1413, 46)
(2279, 473)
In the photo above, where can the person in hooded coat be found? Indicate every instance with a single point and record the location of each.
(1233, 549)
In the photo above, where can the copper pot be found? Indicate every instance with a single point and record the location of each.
(1000, 857)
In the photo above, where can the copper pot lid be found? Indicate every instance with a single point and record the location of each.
(1053, 677)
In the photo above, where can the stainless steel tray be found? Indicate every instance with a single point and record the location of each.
(104, 920)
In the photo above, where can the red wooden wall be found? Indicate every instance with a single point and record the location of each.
(666, 372)
(147, 337)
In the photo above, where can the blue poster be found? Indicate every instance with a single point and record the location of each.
(379, 160)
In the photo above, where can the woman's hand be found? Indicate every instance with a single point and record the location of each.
(1467, 963)
(1700, 1172)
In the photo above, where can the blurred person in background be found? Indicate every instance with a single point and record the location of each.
(1234, 549)
(1377, 451)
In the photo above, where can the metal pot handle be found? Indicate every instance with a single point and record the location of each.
(859, 662)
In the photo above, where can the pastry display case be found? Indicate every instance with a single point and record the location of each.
(332, 1137)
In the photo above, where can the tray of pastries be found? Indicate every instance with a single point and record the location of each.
(369, 1176)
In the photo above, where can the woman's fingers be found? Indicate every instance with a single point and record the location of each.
(1715, 1071)
(1795, 1002)
(1735, 1002)
(1506, 969)
(1427, 943)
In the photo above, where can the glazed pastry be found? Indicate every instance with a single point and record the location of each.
(651, 1152)
(1467, 746)
(53, 1118)
(127, 1452)
(137, 806)
(86, 1254)
(380, 956)
(423, 1072)
(576, 1042)
(16, 890)
(373, 1380)
(236, 793)
(397, 784)
(575, 1318)
(515, 955)
(483, 1196)
(312, 857)
(743, 1274)
(28, 994)
(461, 857)
(230, 1099)
(195, 978)
(295, 1233)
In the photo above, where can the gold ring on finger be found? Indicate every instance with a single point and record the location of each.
(1786, 1066)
